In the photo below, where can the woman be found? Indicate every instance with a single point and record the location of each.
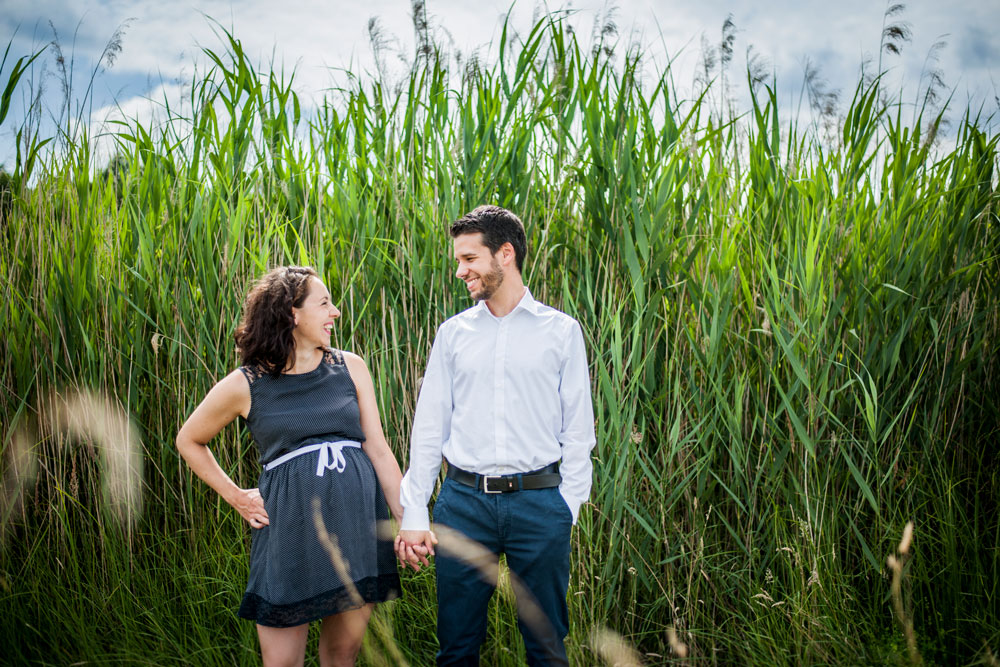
(312, 412)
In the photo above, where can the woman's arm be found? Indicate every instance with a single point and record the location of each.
(375, 446)
(226, 401)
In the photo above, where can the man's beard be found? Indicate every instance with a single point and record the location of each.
(489, 283)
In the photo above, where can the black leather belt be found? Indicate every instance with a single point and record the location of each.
(543, 478)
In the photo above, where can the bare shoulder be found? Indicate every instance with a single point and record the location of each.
(232, 391)
(355, 364)
(358, 369)
(351, 358)
(229, 398)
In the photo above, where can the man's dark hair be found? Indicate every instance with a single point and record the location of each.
(498, 226)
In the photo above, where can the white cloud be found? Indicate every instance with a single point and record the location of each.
(150, 111)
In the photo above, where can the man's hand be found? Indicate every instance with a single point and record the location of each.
(413, 547)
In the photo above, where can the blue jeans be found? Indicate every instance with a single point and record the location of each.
(532, 528)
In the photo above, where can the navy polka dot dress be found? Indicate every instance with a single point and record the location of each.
(293, 577)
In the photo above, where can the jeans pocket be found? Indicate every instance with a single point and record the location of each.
(440, 508)
(561, 505)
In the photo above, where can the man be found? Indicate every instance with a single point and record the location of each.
(506, 401)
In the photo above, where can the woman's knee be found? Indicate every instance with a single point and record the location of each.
(341, 636)
(339, 654)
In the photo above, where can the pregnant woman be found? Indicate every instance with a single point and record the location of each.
(313, 414)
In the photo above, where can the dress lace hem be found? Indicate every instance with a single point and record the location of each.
(382, 588)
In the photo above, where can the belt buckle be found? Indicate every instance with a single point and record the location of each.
(486, 483)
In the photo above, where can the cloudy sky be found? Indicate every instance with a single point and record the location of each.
(161, 42)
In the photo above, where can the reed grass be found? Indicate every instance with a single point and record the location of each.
(792, 346)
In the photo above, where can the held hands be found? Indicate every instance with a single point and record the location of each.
(413, 547)
(250, 505)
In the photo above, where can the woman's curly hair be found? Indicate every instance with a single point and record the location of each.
(264, 335)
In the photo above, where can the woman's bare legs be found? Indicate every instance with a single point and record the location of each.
(341, 635)
(283, 647)
(339, 640)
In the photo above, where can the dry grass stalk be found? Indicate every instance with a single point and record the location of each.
(94, 417)
(329, 543)
(454, 544)
(504, 586)
(905, 621)
(381, 629)
(615, 651)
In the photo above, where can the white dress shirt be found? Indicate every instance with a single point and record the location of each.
(502, 395)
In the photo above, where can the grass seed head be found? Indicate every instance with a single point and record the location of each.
(94, 418)
(21, 471)
(679, 648)
(904, 543)
(613, 649)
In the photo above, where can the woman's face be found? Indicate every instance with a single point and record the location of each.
(314, 318)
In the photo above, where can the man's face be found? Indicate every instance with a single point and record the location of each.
(477, 266)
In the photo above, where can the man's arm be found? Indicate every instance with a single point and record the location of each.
(431, 428)
(577, 435)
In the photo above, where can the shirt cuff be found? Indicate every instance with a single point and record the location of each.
(415, 518)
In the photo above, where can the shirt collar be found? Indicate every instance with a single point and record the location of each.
(527, 303)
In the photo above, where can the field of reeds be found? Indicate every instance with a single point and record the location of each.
(792, 335)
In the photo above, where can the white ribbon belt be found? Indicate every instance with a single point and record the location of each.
(331, 456)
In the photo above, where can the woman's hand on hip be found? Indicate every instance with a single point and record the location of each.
(250, 505)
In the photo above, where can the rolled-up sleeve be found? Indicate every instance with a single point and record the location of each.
(431, 429)
(577, 437)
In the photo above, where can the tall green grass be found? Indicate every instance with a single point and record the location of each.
(792, 344)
